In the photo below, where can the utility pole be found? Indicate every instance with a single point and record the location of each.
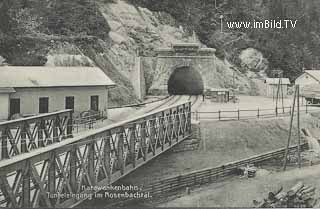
(221, 23)
(233, 79)
(296, 97)
(290, 130)
(298, 124)
(278, 74)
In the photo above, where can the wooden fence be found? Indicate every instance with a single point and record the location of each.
(209, 175)
(204, 176)
(245, 113)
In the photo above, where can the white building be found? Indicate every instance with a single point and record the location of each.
(272, 86)
(308, 77)
(34, 90)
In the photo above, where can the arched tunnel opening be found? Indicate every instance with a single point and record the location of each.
(185, 80)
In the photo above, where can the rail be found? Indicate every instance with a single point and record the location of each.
(27, 134)
(139, 104)
(96, 157)
(87, 122)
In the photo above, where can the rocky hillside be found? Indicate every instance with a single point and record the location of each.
(109, 34)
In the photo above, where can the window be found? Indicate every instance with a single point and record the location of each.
(43, 105)
(69, 103)
(94, 103)
(14, 106)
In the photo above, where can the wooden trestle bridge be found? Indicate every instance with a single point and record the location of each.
(40, 155)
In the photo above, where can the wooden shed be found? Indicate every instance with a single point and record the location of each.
(271, 85)
(218, 94)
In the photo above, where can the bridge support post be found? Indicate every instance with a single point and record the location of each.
(176, 124)
(143, 140)
(161, 137)
(184, 120)
(70, 125)
(23, 138)
(52, 177)
(120, 151)
(26, 185)
(132, 142)
(41, 133)
(106, 156)
(55, 127)
(91, 171)
(189, 119)
(152, 135)
(73, 168)
(4, 143)
(170, 127)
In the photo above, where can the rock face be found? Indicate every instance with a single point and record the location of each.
(136, 31)
(67, 54)
(2, 61)
(253, 60)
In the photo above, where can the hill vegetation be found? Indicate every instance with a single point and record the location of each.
(32, 29)
(290, 49)
(109, 33)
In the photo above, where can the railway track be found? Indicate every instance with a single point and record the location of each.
(175, 99)
(194, 100)
(171, 100)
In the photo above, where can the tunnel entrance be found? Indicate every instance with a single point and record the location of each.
(185, 80)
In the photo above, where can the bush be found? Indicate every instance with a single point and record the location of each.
(77, 17)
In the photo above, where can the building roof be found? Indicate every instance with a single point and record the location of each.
(314, 73)
(275, 81)
(7, 90)
(218, 89)
(181, 44)
(42, 76)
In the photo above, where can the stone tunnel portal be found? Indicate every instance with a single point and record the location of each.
(185, 81)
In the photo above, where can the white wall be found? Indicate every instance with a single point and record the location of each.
(29, 98)
(272, 90)
(305, 79)
(4, 106)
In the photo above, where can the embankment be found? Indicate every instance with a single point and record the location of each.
(222, 142)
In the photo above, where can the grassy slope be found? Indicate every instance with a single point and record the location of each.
(223, 144)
